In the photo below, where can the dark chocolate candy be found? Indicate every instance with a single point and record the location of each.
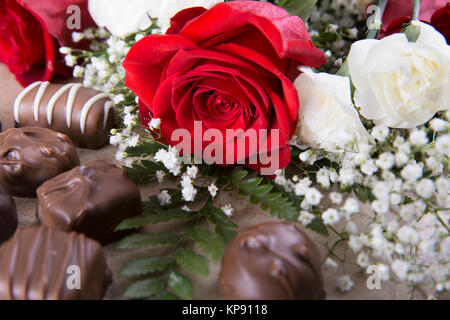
(271, 261)
(91, 199)
(30, 156)
(84, 114)
(8, 216)
(39, 263)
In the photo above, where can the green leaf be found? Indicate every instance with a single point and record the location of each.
(224, 227)
(147, 149)
(208, 243)
(300, 8)
(144, 288)
(145, 266)
(192, 262)
(141, 240)
(318, 226)
(239, 175)
(180, 285)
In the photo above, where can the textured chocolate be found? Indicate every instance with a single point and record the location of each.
(39, 263)
(272, 261)
(91, 199)
(83, 114)
(31, 156)
(8, 216)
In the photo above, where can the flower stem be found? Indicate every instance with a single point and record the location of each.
(373, 32)
(416, 10)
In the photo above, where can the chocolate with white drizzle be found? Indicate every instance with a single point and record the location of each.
(83, 114)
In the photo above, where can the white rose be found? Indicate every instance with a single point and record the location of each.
(398, 83)
(327, 117)
(124, 17)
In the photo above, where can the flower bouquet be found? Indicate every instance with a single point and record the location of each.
(329, 114)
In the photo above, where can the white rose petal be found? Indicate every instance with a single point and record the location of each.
(327, 117)
(398, 83)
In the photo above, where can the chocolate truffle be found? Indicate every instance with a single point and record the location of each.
(83, 114)
(39, 263)
(8, 216)
(30, 156)
(91, 199)
(272, 261)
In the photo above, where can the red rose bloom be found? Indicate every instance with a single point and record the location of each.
(399, 12)
(30, 34)
(230, 67)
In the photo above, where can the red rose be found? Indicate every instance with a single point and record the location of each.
(30, 34)
(399, 12)
(230, 67)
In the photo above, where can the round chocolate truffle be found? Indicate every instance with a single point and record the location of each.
(31, 156)
(8, 216)
(272, 261)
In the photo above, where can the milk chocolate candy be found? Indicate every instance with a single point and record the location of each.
(83, 114)
(39, 263)
(30, 156)
(8, 216)
(91, 199)
(269, 262)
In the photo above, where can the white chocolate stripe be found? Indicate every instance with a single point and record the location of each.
(20, 97)
(53, 100)
(107, 108)
(87, 106)
(38, 98)
(70, 101)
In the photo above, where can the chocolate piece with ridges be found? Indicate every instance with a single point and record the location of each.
(8, 216)
(272, 261)
(31, 156)
(91, 199)
(37, 263)
(84, 114)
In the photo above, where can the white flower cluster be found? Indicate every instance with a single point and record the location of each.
(403, 176)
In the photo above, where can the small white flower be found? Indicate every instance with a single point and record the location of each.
(383, 271)
(189, 193)
(362, 260)
(351, 206)
(395, 199)
(313, 196)
(323, 177)
(443, 144)
(304, 156)
(118, 98)
(401, 159)
(385, 161)
(154, 124)
(186, 208)
(65, 50)
(78, 72)
(164, 198)
(345, 283)
(302, 186)
(380, 133)
(330, 264)
(130, 120)
(438, 124)
(442, 185)
(418, 138)
(412, 172)
(192, 172)
(330, 216)
(425, 188)
(133, 141)
(400, 268)
(346, 176)
(77, 36)
(228, 210)
(213, 190)
(116, 139)
(336, 198)
(380, 206)
(169, 159)
(70, 60)
(408, 235)
(356, 243)
(160, 176)
(306, 218)
(369, 168)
